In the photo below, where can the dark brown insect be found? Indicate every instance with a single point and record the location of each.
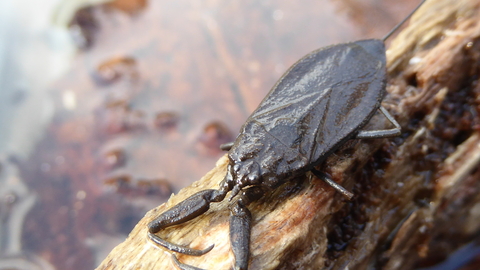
(322, 101)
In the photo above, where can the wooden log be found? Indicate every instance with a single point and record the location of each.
(408, 190)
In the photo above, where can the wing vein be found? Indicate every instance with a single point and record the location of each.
(315, 144)
(266, 131)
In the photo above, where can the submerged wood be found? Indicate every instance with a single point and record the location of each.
(409, 191)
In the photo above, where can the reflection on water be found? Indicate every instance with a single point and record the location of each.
(16, 202)
(32, 54)
(99, 128)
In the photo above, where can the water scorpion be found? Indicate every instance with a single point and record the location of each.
(321, 102)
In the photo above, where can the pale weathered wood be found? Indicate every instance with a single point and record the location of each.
(408, 190)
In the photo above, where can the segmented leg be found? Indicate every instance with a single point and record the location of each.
(386, 133)
(347, 194)
(186, 210)
(177, 248)
(363, 134)
(226, 146)
(240, 226)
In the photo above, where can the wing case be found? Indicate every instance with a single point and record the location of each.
(319, 103)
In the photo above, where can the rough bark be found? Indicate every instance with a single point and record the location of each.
(409, 191)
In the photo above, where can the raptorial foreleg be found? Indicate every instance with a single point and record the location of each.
(240, 226)
(186, 210)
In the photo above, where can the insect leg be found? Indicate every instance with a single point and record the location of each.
(386, 133)
(240, 226)
(226, 146)
(186, 210)
(347, 194)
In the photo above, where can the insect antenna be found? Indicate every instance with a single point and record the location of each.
(402, 22)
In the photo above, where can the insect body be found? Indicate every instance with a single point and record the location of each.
(322, 101)
(298, 125)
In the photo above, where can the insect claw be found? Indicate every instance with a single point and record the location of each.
(177, 248)
(183, 266)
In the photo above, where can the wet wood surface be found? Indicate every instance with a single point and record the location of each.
(409, 191)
